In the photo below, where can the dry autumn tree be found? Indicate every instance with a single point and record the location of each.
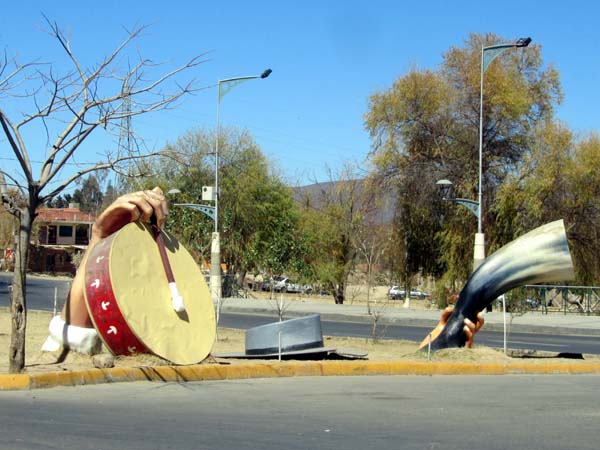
(66, 104)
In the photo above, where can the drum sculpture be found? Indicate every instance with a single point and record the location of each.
(540, 256)
(143, 302)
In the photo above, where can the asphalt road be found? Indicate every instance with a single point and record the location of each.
(351, 413)
(41, 291)
(530, 341)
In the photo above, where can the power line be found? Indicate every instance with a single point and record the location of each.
(5, 158)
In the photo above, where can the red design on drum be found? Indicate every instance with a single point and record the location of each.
(103, 306)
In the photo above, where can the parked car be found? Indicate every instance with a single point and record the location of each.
(418, 294)
(533, 303)
(279, 283)
(395, 293)
(291, 286)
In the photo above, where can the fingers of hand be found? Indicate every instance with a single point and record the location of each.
(470, 325)
(162, 211)
(471, 328)
(446, 314)
(469, 334)
(117, 215)
(148, 203)
(480, 322)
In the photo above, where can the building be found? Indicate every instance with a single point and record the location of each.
(62, 236)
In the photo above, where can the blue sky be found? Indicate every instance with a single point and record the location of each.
(327, 58)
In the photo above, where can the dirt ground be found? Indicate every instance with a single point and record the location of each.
(229, 341)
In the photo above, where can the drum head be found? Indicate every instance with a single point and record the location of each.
(142, 293)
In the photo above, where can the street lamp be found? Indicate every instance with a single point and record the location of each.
(488, 54)
(223, 87)
(446, 189)
(206, 210)
(473, 206)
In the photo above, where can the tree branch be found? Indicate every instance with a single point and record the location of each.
(17, 146)
(100, 166)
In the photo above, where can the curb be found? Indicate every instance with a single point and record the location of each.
(214, 372)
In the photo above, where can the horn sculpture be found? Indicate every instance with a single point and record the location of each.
(540, 256)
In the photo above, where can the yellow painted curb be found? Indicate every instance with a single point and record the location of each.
(204, 372)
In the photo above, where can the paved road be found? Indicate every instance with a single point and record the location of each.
(350, 413)
(40, 291)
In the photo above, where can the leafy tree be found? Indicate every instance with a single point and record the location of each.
(110, 194)
(60, 201)
(256, 209)
(425, 127)
(7, 228)
(258, 219)
(8, 223)
(332, 215)
(558, 180)
(67, 104)
(89, 195)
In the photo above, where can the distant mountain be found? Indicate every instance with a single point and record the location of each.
(381, 208)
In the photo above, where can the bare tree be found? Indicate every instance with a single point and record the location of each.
(371, 241)
(280, 305)
(67, 109)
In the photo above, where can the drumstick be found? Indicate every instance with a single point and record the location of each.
(176, 298)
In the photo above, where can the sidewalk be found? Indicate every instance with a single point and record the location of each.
(553, 323)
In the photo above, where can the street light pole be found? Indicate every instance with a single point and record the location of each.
(488, 54)
(215, 247)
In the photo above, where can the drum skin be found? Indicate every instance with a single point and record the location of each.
(129, 301)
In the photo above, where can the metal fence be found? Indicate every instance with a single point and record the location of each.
(552, 299)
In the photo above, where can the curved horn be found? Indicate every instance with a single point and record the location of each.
(540, 256)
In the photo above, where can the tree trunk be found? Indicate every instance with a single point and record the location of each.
(240, 278)
(338, 294)
(18, 304)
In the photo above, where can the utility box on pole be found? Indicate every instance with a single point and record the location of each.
(208, 193)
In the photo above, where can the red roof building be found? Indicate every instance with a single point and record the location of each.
(62, 234)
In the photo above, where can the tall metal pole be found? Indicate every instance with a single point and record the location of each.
(218, 132)
(479, 244)
(215, 247)
(495, 50)
(215, 244)
(479, 194)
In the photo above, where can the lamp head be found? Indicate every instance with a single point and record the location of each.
(445, 188)
(523, 42)
(266, 73)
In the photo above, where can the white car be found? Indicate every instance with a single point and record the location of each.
(284, 284)
(395, 293)
(280, 283)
